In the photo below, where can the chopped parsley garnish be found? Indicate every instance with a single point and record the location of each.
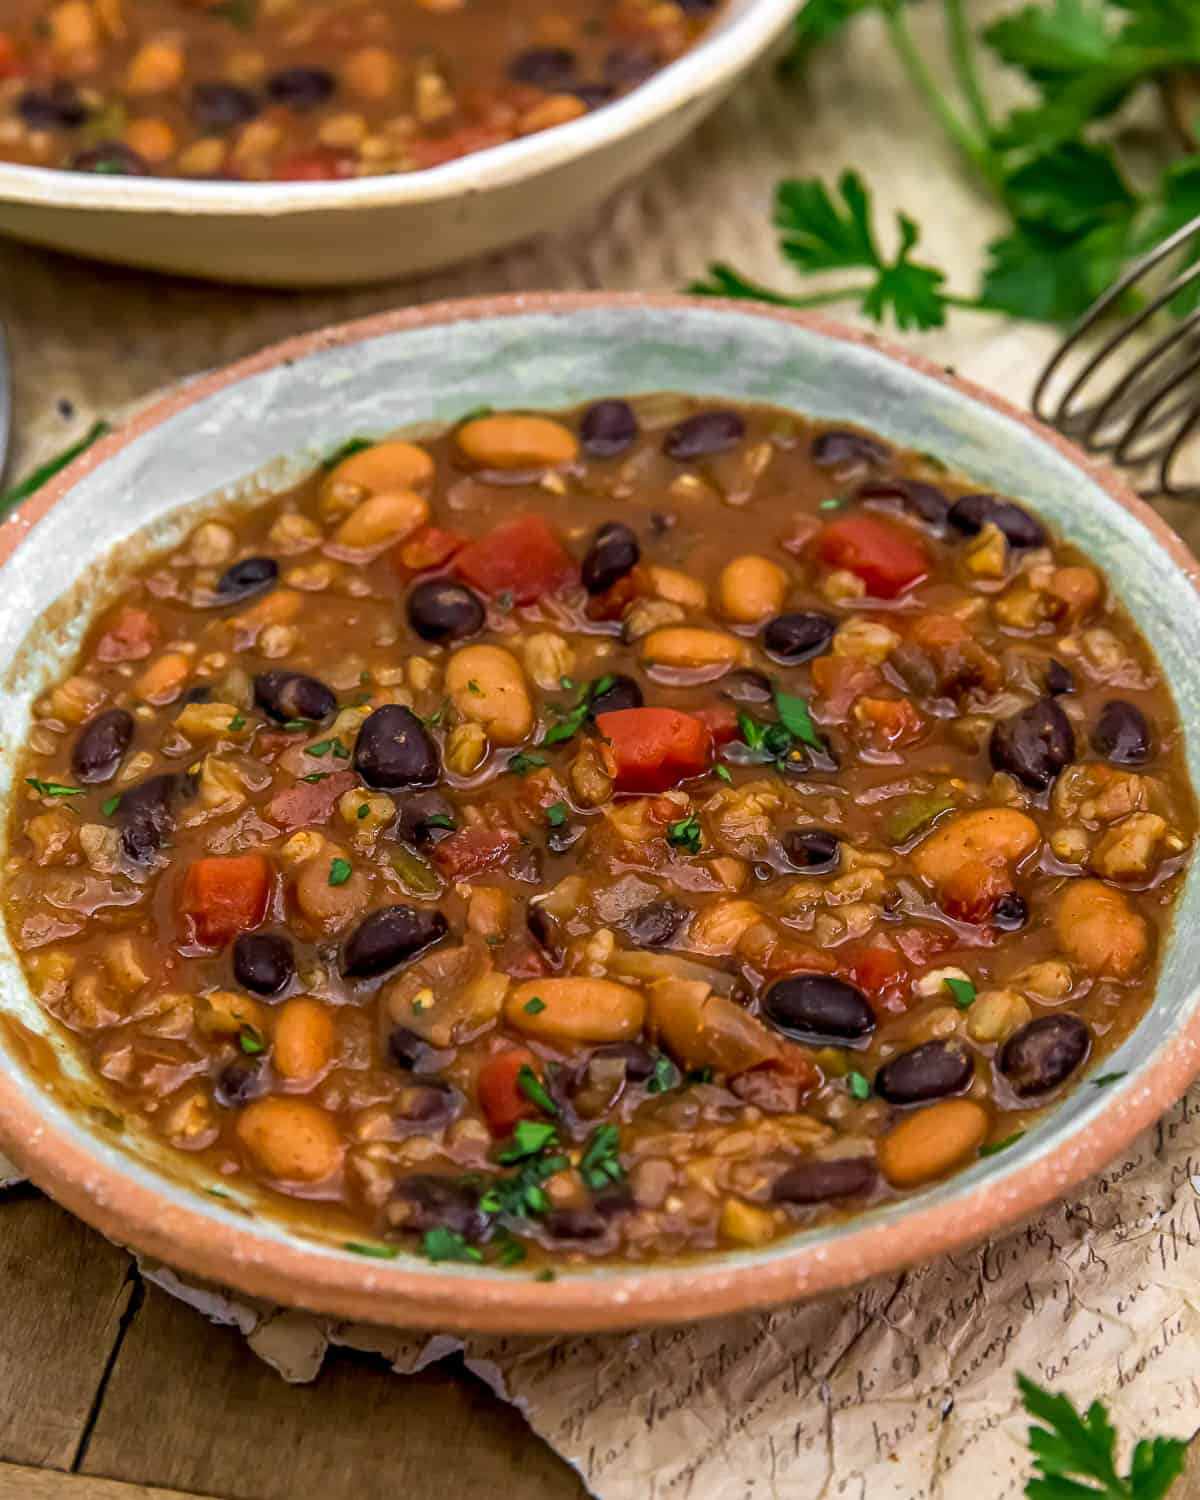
(573, 720)
(251, 1041)
(110, 805)
(53, 788)
(796, 719)
(504, 600)
(546, 1275)
(556, 814)
(376, 1252)
(529, 1138)
(346, 450)
(698, 1075)
(339, 871)
(473, 687)
(566, 683)
(294, 724)
(963, 991)
(835, 502)
(531, 1085)
(534, 1005)
(859, 1085)
(598, 1166)
(448, 1244)
(521, 1194)
(437, 716)
(237, 722)
(317, 776)
(512, 1253)
(440, 820)
(525, 761)
(665, 1077)
(322, 747)
(774, 739)
(364, 809)
(1105, 1079)
(723, 772)
(686, 834)
(995, 1146)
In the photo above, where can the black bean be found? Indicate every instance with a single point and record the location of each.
(593, 95)
(549, 68)
(411, 1052)
(607, 429)
(263, 962)
(147, 813)
(923, 501)
(201, 693)
(819, 1008)
(627, 65)
(441, 610)
(427, 1201)
(286, 696)
(575, 1224)
(622, 692)
(614, 551)
(819, 1181)
(842, 449)
(218, 106)
(546, 931)
(238, 1082)
(798, 636)
(390, 937)
(746, 686)
(1011, 912)
(57, 107)
(1043, 1054)
(424, 818)
(1122, 734)
(973, 512)
(656, 923)
(816, 851)
(111, 159)
(639, 1061)
(1059, 679)
(101, 744)
(1033, 745)
(301, 87)
(704, 435)
(245, 578)
(934, 1070)
(394, 750)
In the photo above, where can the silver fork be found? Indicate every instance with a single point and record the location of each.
(1133, 396)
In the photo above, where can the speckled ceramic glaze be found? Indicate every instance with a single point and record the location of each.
(372, 228)
(265, 419)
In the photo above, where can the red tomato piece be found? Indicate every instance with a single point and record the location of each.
(130, 637)
(471, 850)
(321, 164)
(10, 66)
(429, 548)
(655, 748)
(224, 895)
(880, 973)
(499, 1090)
(889, 722)
(839, 681)
(887, 558)
(720, 719)
(523, 558)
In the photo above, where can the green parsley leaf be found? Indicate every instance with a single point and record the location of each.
(1067, 1447)
(1070, 189)
(339, 871)
(993, 1147)
(45, 472)
(376, 1252)
(531, 1085)
(293, 724)
(962, 990)
(599, 1165)
(529, 1138)
(322, 747)
(835, 502)
(534, 1005)
(237, 722)
(504, 601)
(1105, 1079)
(859, 1085)
(53, 788)
(110, 805)
(698, 1075)
(753, 733)
(524, 761)
(723, 773)
(314, 776)
(1033, 273)
(686, 834)
(448, 1244)
(440, 820)
(666, 1076)
(346, 450)
(216, 1192)
(796, 719)
(438, 714)
(364, 810)
(512, 1253)
(546, 1275)
(556, 814)
(473, 687)
(339, 750)
(251, 1041)
(566, 683)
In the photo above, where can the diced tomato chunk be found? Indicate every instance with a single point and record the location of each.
(10, 66)
(840, 681)
(888, 722)
(321, 164)
(499, 1090)
(472, 850)
(880, 973)
(887, 558)
(429, 548)
(720, 719)
(523, 558)
(131, 636)
(224, 895)
(655, 748)
(921, 944)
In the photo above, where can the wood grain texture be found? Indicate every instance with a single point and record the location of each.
(189, 1407)
(65, 1293)
(17, 1482)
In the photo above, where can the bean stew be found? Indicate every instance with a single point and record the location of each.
(628, 833)
(312, 89)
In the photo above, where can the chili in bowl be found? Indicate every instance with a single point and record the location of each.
(464, 854)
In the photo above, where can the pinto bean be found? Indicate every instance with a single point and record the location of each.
(303, 1039)
(686, 646)
(516, 442)
(290, 1139)
(925, 1145)
(390, 466)
(487, 685)
(751, 588)
(330, 908)
(998, 836)
(1099, 928)
(382, 520)
(576, 1010)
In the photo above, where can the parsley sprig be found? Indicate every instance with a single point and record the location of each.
(1076, 215)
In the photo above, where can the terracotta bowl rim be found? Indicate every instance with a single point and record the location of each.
(717, 58)
(309, 1275)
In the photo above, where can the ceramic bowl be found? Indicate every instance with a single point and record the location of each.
(294, 234)
(265, 420)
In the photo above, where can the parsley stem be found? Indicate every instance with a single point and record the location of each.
(975, 150)
(962, 54)
(776, 299)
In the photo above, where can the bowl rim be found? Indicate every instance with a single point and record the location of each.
(297, 1274)
(718, 57)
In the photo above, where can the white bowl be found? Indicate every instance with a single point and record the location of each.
(293, 234)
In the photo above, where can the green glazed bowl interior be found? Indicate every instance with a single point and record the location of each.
(269, 420)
